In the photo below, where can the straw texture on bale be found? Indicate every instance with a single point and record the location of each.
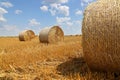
(26, 35)
(101, 35)
(51, 34)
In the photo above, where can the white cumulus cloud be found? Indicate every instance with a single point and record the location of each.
(59, 9)
(62, 1)
(64, 21)
(6, 4)
(2, 12)
(54, 5)
(55, 1)
(69, 23)
(79, 22)
(33, 22)
(53, 12)
(79, 12)
(18, 11)
(44, 8)
(87, 1)
(2, 19)
(54, 8)
(61, 20)
(64, 10)
(10, 27)
(82, 4)
(9, 30)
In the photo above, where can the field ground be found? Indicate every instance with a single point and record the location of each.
(32, 60)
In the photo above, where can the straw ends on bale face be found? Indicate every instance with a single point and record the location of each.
(101, 35)
(51, 34)
(26, 35)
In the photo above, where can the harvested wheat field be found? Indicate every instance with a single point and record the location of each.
(33, 60)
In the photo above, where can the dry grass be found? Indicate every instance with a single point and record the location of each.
(33, 60)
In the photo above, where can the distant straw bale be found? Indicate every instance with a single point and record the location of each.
(51, 35)
(26, 35)
(101, 35)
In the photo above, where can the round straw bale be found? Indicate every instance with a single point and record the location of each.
(101, 35)
(51, 34)
(26, 35)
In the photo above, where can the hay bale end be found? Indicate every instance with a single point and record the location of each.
(26, 35)
(101, 35)
(51, 35)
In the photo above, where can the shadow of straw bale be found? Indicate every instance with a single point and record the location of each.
(79, 66)
(73, 66)
(6, 77)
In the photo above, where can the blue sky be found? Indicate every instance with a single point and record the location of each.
(18, 15)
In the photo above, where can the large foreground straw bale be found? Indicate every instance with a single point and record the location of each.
(51, 34)
(101, 35)
(26, 35)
